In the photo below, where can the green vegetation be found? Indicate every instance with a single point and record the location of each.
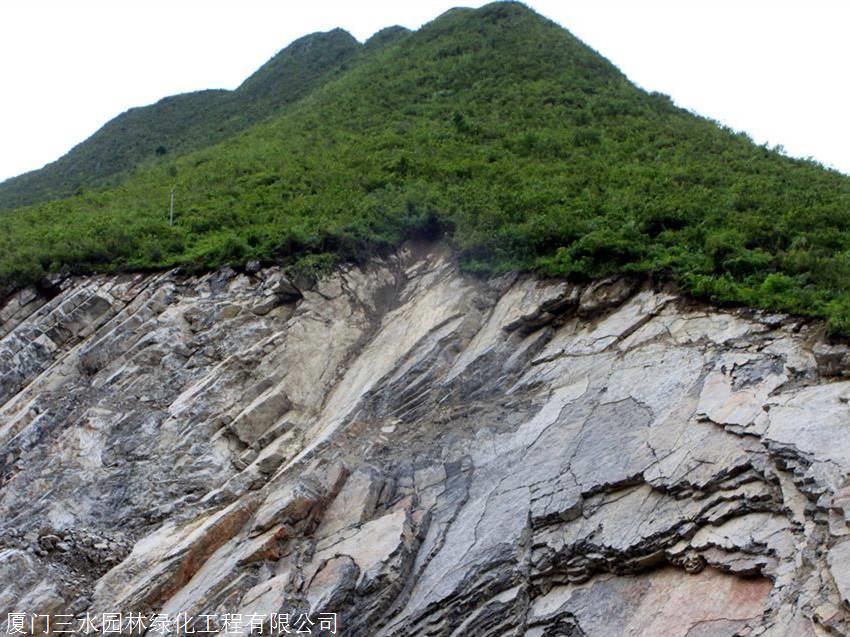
(182, 123)
(501, 131)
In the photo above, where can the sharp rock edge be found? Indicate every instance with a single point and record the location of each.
(424, 453)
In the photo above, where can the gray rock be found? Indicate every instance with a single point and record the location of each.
(605, 294)
(286, 291)
(832, 360)
(422, 452)
(252, 267)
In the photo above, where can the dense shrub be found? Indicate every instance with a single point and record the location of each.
(500, 130)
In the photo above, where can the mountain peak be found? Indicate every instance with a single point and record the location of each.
(313, 53)
(387, 36)
(494, 126)
(182, 123)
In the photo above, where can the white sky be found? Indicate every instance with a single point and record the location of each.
(776, 69)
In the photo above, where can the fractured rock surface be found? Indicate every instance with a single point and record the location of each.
(424, 453)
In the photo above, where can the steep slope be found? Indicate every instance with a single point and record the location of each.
(423, 452)
(182, 123)
(502, 131)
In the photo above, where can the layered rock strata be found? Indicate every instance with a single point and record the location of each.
(424, 453)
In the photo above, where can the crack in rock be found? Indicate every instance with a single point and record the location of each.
(423, 452)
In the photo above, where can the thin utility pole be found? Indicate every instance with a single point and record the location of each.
(171, 213)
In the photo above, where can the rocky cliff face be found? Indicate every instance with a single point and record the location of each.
(424, 453)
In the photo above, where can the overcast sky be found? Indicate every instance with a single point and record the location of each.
(776, 69)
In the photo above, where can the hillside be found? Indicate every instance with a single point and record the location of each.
(328, 400)
(499, 130)
(182, 123)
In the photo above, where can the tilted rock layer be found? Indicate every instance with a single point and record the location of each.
(424, 453)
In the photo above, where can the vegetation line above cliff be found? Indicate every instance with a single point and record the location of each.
(500, 130)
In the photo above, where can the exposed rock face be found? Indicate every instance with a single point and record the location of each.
(424, 453)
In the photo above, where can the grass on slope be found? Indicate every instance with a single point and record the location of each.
(501, 130)
(182, 123)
